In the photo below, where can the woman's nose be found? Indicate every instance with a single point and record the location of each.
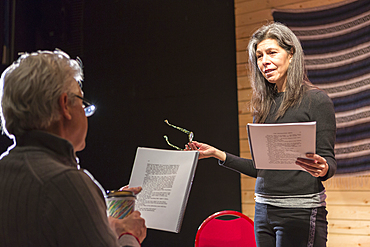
(265, 60)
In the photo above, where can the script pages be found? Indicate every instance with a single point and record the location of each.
(277, 146)
(166, 177)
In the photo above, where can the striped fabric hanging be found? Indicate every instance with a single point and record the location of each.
(336, 43)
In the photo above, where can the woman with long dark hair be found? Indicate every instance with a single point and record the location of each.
(290, 205)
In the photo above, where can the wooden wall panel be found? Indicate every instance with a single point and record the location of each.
(348, 198)
(243, 82)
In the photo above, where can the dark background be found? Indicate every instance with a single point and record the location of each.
(144, 62)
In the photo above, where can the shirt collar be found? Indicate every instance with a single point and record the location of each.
(47, 140)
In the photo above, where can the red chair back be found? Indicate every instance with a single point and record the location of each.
(235, 232)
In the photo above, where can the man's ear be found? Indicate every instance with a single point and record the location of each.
(64, 106)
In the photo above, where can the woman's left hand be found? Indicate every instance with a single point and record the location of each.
(315, 164)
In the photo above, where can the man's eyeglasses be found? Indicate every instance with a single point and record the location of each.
(89, 108)
(189, 133)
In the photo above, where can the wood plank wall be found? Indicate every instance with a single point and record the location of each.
(348, 200)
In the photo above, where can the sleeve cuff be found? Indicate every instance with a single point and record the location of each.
(129, 240)
(222, 163)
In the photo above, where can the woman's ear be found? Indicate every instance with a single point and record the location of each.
(291, 54)
(64, 106)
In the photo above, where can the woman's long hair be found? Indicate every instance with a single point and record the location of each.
(297, 81)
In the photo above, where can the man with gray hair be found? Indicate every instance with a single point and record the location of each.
(46, 199)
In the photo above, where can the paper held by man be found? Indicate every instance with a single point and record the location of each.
(166, 177)
(277, 146)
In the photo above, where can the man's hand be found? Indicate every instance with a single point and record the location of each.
(132, 224)
(136, 190)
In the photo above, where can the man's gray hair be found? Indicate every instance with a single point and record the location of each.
(30, 89)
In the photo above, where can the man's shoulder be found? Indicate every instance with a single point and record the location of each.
(39, 163)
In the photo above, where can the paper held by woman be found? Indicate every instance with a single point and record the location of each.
(277, 146)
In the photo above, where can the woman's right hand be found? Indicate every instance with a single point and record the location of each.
(205, 150)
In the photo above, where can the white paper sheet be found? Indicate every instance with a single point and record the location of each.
(277, 146)
(166, 177)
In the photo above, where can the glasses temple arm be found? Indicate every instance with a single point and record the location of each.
(168, 142)
(179, 128)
